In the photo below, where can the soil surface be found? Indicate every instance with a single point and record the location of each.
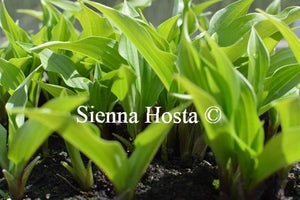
(173, 180)
(292, 190)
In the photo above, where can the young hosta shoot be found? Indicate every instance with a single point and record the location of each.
(118, 56)
(234, 38)
(16, 174)
(109, 156)
(23, 147)
(142, 83)
(238, 138)
(83, 175)
(156, 55)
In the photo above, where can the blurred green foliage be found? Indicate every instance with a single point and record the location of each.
(160, 11)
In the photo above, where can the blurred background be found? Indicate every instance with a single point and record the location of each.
(157, 13)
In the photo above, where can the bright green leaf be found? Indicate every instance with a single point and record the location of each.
(10, 76)
(101, 49)
(162, 62)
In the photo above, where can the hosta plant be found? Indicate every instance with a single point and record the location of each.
(116, 57)
(20, 86)
(124, 172)
(243, 89)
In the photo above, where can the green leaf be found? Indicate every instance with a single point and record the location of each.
(66, 5)
(219, 135)
(3, 148)
(123, 86)
(283, 149)
(259, 62)
(280, 152)
(151, 86)
(33, 13)
(51, 15)
(199, 8)
(18, 99)
(147, 83)
(124, 89)
(147, 87)
(103, 50)
(4, 195)
(274, 8)
(162, 62)
(126, 142)
(146, 145)
(128, 9)
(16, 191)
(64, 66)
(238, 28)
(33, 133)
(96, 25)
(281, 58)
(108, 155)
(249, 130)
(30, 137)
(227, 15)
(169, 29)
(224, 139)
(236, 47)
(287, 33)
(224, 76)
(41, 37)
(188, 62)
(55, 90)
(63, 30)
(16, 182)
(82, 175)
(289, 112)
(140, 3)
(21, 63)
(281, 82)
(8, 25)
(27, 171)
(13, 32)
(103, 92)
(10, 76)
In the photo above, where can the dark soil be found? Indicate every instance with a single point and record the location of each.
(175, 181)
(293, 185)
(172, 180)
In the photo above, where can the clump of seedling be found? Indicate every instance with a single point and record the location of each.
(190, 62)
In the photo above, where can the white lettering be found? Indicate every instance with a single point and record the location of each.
(82, 114)
(168, 116)
(193, 118)
(155, 115)
(133, 118)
